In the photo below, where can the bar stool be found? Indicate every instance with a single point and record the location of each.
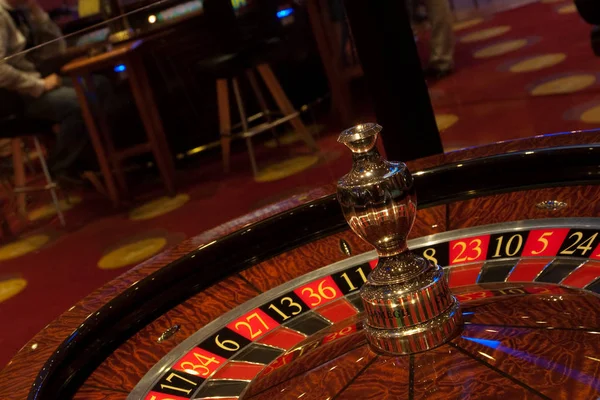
(127, 57)
(228, 69)
(16, 127)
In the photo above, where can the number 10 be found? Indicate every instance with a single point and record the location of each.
(508, 245)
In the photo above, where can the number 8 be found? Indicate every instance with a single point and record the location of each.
(430, 255)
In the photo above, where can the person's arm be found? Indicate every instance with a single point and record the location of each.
(13, 79)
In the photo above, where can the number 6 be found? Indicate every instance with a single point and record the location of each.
(225, 343)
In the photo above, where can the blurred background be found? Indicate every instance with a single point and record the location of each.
(127, 126)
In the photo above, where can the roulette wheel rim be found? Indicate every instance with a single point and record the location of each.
(406, 298)
(419, 245)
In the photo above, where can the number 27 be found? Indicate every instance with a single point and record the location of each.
(253, 333)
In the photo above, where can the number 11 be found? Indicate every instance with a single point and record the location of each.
(349, 282)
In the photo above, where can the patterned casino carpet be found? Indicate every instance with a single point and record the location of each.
(521, 72)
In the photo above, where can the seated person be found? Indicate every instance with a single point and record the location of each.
(23, 25)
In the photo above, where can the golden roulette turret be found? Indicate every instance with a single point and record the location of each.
(407, 301)
(416, 339)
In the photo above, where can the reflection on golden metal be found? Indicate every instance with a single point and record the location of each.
(551, 205)
(421, 337)
(407, 301)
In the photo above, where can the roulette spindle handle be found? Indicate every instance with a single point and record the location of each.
(408, 303)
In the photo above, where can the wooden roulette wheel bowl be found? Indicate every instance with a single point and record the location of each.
(391, 328)
(532, 309)
(522, 338)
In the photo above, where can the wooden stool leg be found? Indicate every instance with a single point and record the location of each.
(7, 187)
(97, 143)
(19, 170)
(49, 181)
(258, 93)
(160, 135)
(224, 121)
(90, 176)
(243, 118)
(149, 114)
(284, 103)
(11, 196)
(261, 101)
(106, 134)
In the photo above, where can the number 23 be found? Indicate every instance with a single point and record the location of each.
(475, 245)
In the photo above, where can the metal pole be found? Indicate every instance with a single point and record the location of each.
(386, 47)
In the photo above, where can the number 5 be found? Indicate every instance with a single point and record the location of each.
(544, 241)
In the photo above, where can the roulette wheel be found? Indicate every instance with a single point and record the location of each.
(497, 297)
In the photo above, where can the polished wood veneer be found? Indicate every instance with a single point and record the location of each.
(199, 310)
(468, 376)
(550, 361)
(537, 311)
(508, 146)
(544, 358)
(581, 202)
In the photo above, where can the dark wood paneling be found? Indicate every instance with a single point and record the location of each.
(323, 382)
(538, 311)
(384, 378)
(429, 221)
(93, 393)
(552, 362)
(129, 363)
(302, 260)
(509, 146)
(446, 373)
(516, 206)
